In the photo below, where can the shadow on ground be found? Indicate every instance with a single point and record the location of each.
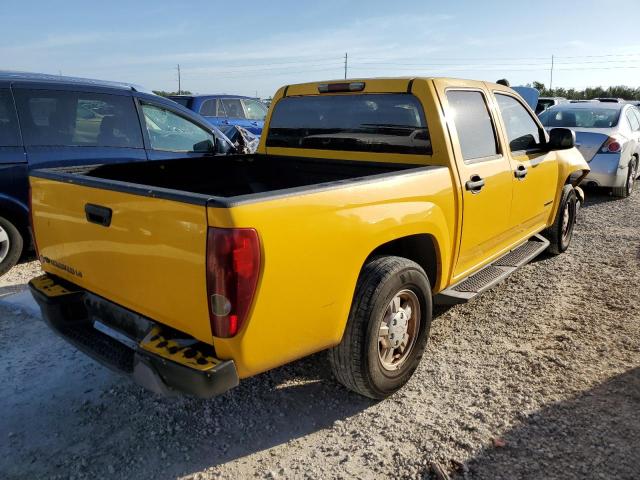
(594, 435)
(596, 196)
(99, 424)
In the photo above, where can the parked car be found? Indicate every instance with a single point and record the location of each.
(224, 110)
(546, 102)
(368, 201)
(608, 135)
(53, 121)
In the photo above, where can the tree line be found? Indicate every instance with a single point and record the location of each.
(618, 91)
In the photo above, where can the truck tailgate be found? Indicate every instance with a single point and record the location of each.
(150, 258)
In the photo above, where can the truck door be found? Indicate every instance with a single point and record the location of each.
(485, 176)
(535, 169)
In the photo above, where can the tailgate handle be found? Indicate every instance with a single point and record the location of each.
(98, 214)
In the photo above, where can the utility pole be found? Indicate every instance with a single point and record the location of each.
(551, 79)
(346, 59)
(179, 85)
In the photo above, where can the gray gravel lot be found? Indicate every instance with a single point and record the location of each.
(538, 378)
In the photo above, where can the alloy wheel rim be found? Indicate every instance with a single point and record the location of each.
(632, 177)
(399, 330)
(4, 244)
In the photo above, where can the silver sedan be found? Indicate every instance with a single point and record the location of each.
(607, 135)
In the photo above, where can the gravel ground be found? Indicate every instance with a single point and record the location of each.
(538, 378)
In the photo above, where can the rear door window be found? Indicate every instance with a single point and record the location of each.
(522, 131)
(78, 119)
(381, 123)
(170, 132)
(9, 136)
(476, 132)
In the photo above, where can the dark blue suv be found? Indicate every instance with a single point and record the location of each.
(49, 121)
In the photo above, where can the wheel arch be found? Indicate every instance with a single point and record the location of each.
(17, 213)
(421, 248)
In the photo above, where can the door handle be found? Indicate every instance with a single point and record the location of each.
(474, 184)
(98, 214)
(520, 172)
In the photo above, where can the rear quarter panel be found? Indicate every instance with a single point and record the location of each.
(313, 248)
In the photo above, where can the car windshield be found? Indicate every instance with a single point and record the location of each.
(255, 109)
(389, 123)
(580, 117)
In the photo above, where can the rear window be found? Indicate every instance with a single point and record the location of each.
(84, 119)
(8, 122)
(382, 123)
(580, 117)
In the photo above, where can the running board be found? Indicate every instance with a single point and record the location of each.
(493, 273)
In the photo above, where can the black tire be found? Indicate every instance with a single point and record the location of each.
(558, 234)
(632, 174)
(356, 362)
(11, 250)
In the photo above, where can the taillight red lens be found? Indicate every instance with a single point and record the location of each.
(611, 145)
(614, 147)
(233, 266)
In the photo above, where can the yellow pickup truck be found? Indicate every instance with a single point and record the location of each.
(367, 202)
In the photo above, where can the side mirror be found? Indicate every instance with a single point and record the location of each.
(561, 139)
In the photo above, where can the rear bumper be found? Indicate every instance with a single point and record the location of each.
(117, 338)
(606, 171)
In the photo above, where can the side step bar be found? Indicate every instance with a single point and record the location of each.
(493, 273)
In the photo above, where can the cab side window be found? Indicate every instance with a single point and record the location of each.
(522, 131)
(473, 124)
(8, 122)
(170, 132)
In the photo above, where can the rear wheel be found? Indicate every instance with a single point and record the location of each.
(10, 245)
(387, 329)
(632, 174)
(560, 233)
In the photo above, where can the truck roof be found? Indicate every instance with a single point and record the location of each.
(381, 84)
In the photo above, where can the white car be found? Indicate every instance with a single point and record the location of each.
(607, 135)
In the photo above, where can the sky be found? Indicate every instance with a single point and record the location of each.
(254, 47)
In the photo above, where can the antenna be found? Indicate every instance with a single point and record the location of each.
(346, 60)
(551, 79)
(179, 84)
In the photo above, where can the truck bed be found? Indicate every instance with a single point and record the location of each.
(225, 180)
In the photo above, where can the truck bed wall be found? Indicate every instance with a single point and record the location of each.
(239, 175)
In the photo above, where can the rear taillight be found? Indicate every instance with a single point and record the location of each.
(611, 145)
(33, 232)
(233, 266)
